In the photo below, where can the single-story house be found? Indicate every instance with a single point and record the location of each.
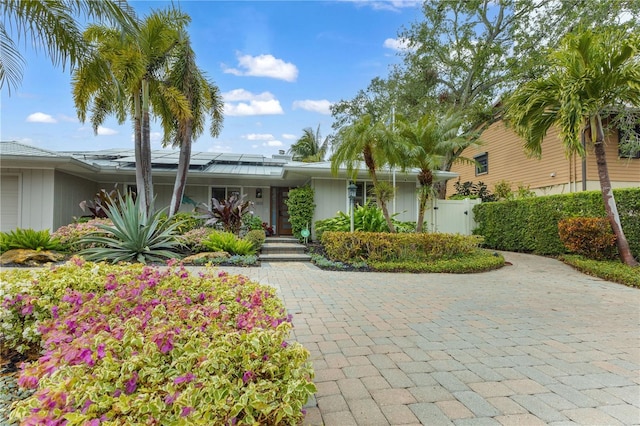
(501, 156)
(42, 189)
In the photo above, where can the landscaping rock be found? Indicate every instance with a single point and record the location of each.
(29, 257)
(201, 258)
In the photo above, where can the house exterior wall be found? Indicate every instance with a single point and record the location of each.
(36, 197)
(69, 191)
(553, 173)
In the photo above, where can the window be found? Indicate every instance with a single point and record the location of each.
(629, 143)
(364, 194)
(222, 193)
(482, 163)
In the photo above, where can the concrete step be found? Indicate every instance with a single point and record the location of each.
(282, 240)
(284, 257)
(272, 248)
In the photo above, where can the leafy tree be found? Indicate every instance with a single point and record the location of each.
(425, 143)
(372, 142)
(591, 73)
(53, 28)
(204, 99)
(310, 147)
(125, 77)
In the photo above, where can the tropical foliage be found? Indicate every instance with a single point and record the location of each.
(230, 243)
(54, 27)
(134, 236)
(301, 207)
(310, 147)
(130, 343)
(592, 73)
(226, 213)
(28, 239)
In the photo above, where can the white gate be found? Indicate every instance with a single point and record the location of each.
(452, 216)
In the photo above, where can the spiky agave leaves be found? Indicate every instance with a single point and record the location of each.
(135, 236)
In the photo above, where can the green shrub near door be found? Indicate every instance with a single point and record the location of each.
(531, 225)
(301, 208)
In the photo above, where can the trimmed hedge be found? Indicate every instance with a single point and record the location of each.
(383, 246)
(531, 225)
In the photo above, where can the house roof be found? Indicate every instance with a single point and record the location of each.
(203, 164)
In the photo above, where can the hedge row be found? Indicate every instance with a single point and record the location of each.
(531, 224)
(384, 246)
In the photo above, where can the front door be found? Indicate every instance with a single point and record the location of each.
(283, 227)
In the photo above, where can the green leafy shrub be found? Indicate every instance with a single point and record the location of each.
(301, 208)
(472, 190)
(193, 240)
(184, 221)
(531, 224)
(227, 213)
(376, 246)
(70, 235)
(166, 347)
(251, 222)
(134, 236)
(28, 239)
(589, 236)
(368, 218)
(228, 242)
(610, 270)
(477, 261)
(256, 237)
(102, 202)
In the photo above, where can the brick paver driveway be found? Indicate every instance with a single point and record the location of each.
(531, 344)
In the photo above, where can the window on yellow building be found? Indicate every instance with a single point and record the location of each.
(482, 163)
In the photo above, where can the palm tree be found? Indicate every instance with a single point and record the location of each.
(592, 72)
(203, 97)
(125, 77)
(54, 29)
(373, 143)
(426, 143)
(309, 148)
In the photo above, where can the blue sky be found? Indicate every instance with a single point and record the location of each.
(279, 65)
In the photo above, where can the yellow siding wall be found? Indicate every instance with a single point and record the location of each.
(552, 173)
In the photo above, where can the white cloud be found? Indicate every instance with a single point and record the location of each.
(261, 104)
(289, 136)
(105, 131)
(263, 66)
(258, 136)
(321, 106)
(40, 117)
(272, 143)
(399, 44)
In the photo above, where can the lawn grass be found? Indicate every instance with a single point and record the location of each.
(610, 270)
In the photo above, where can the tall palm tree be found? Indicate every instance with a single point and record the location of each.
(125, 77)
(53, 28)
(309, 147)
(426, 143)
(204, 100)
(373, 143)
(592, 72)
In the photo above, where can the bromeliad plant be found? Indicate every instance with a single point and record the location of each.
(167, 347)
(135, 236)
(226, 213)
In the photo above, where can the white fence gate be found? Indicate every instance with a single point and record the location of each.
(452, 216)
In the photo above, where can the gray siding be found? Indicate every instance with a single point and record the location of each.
(69, 192)
(37, 195)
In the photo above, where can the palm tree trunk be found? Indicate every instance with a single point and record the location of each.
(137, 137)
(607, 194)
(423, 196)
(183, 170)
(145, 150)
(382, 203)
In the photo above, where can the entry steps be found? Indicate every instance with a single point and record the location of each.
(283, 249)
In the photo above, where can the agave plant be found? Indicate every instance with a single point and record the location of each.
(227, 213)
(134, 236)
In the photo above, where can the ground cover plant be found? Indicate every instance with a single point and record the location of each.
(28, 239)
(610, 270)
(160, 346)
(71, 235)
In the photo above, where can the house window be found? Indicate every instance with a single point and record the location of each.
(222, 192)
(364, 194)
(482, 163)
(629, 143)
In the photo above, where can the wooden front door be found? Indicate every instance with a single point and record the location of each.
(283, 227)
